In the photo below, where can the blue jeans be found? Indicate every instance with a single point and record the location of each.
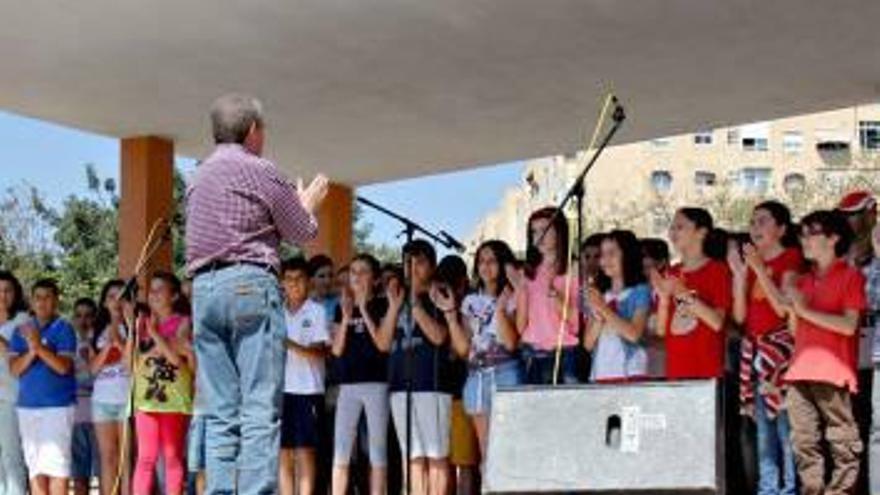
(482, 382)
(538, 366)
(195, 444)
(774, 450)
(85, 461)
(239, 331)
(13, 473)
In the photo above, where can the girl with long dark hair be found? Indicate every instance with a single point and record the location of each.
(547, 303)
(13, 312)
(619, 313)
(694, 298)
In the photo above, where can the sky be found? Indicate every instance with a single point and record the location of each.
(53, 157)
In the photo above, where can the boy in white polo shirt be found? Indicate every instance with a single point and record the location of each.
(307, 343)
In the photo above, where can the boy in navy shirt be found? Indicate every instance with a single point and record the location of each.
(428, 338)
(42, 351)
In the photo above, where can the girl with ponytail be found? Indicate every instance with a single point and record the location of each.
(694, 298)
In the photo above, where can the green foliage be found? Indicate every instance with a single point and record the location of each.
(76, 243)
(362, 230)
(25, 241)
(178, 225)
(85, 231)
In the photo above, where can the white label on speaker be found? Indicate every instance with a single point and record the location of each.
(650, 422)
(629, 441)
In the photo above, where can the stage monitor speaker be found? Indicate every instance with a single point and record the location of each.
(635, 438)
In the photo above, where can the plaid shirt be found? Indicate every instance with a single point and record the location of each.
(239, 208)
(871, 271)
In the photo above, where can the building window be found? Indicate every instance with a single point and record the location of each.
(703, 138)
(869, 135)
(703, 179)
(793, 142)
(832, 140)
(754, 180)
(755, 137)
(754, 144)
(794, 183)
(661, 181)
(733, 137)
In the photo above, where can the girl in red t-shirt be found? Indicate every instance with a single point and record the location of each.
(694, 299)
(769, 263)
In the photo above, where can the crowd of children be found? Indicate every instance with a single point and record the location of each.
(780, 314)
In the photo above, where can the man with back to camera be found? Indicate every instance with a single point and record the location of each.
(239, 209)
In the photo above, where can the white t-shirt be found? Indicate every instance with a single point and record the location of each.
(84, 381)
(487, 349)
(112, 382)
(307, 327)
(8, 382)
(615, 358)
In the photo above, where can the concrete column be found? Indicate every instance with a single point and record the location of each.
(146, 176)
(335, 225)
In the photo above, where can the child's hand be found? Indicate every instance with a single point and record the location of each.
(736, 263)
(658, 283)
(346, 303)
(595, 299)
(31, 335)
(128, 311)
(752, 258)
(515, 276)
(153, 327)
(395, 293)
(667, 286)
(678, 287)
(442, 297)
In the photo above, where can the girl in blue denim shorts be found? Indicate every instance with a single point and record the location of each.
(485, 334)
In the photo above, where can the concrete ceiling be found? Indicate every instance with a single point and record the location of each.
(372, 90)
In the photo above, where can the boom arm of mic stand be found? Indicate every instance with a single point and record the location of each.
(578, 187)
(410, 226)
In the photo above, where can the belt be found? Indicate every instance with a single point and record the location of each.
(220, 265)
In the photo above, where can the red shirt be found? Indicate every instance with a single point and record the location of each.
(821, 355)
(700, 353)
(760, 316)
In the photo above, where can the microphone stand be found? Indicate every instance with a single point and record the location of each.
(576, 191)
(409, 230)
(410, 226)
(154, 241)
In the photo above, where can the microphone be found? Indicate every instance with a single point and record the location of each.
(619, 114)
(452, 241)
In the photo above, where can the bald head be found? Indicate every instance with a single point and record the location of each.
(235, 118)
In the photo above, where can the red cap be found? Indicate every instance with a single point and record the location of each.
(857, 201)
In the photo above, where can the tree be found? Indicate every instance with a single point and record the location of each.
(178, 224)
(76, 243)
(362, 230)
(26, 246)
(85, 232)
